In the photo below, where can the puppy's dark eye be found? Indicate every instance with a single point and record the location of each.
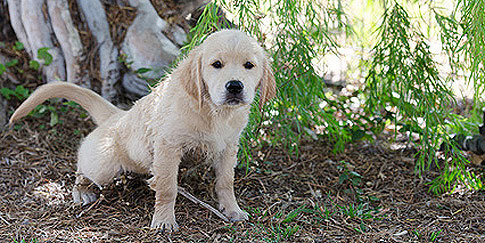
(248, 65)
(217, 64)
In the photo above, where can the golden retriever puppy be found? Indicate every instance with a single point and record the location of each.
(204, 103)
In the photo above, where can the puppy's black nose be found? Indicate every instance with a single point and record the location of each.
(234, 86)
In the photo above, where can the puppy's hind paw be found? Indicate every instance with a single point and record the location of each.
(83, 196)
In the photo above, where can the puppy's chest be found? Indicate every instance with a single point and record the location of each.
(219, 136)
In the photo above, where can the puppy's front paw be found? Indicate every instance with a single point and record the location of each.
(83, 195)
(236, 215)
(165, 225)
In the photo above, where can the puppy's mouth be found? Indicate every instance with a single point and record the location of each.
(233, 100)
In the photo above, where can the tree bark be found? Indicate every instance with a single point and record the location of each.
(109, 67)
(150, 43)
(147, 27)
(16, 22)
(69, 40)
(39, 35)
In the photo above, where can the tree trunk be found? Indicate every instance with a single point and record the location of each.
(147, 27)
(109, 67)
(69, 40)
(122, 61)
(39, 33)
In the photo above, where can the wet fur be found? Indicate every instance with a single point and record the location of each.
(185, 111)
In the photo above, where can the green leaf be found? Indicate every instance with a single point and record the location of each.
(7, 93)
(143, 70)
(292, 215)
(54, 119)
(2, 69)
(34, 65)
(72, 104)
(21, 92)
(12, 63)
(43, 53)
(18, 46)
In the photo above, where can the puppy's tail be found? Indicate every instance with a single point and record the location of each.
(99, 108)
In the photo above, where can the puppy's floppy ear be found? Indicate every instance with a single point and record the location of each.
(267, 84)
(189, 72)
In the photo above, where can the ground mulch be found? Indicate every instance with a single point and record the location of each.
(309, 198)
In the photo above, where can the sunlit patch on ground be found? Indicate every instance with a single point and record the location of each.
(53, 192)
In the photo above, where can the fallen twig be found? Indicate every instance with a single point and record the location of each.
(192, 198)
(4, 220)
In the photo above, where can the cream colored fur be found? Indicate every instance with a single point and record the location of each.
(187, 110)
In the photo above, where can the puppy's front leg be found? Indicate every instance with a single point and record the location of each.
(224, 167)
(164, 183)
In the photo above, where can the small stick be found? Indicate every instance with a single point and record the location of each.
(4, 220)
(189, 196)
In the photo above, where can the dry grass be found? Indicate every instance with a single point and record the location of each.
(289, 199)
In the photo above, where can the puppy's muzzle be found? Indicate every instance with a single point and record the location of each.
(234, 94)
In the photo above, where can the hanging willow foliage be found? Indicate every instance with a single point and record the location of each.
(295, 32)
(403, 85)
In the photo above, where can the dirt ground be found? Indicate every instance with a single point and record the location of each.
(366, 194)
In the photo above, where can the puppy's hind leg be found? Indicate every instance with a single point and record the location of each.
(97, 166)
(164, 183)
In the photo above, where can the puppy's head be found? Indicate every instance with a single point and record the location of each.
(226, 69)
